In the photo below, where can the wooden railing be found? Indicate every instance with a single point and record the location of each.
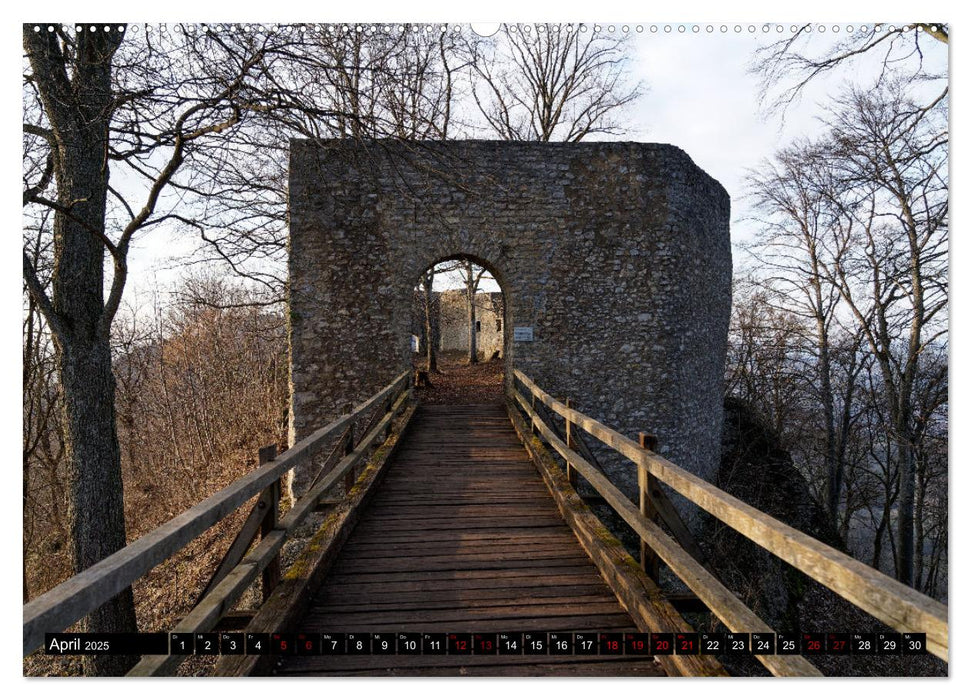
(886, 599)
(82, 594)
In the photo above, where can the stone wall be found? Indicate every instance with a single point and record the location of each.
(453, 324)
(616, 255)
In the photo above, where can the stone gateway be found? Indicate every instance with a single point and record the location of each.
(616, 255)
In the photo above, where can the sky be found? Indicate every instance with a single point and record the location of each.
(703, 98)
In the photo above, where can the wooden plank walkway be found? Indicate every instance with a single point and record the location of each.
(463, 536)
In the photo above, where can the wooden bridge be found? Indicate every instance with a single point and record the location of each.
(463, 519)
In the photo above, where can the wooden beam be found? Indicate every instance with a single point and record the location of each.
(650, 562)
(271, 574)
(85, 592)
(721, 601)
(349, 449)
(888, 600)
(579, 444)
(687, 603)
(571, 443)
(234, 621)
(326, 504)
(635, 591)
(336, 452)
(218, 603)
(312, 498)
(669, 516)
(244, 538)
(661, 506)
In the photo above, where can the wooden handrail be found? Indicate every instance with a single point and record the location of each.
(649, 608)
(721, 601)
(85, 592)
(204, 616)
(883, 597)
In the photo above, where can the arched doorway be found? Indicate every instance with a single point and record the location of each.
(459, 332)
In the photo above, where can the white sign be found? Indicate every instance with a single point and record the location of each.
(414, 343)
(523, 334)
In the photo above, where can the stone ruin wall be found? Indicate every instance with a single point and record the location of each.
(617, 256)
(453, 323)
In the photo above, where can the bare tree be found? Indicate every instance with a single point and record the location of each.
(202, 384)
(141, 109)
(931, 460)
(788, 66)
(192, 123)
(550, 82)
(427, 285)
(72, 78)
(893, 152)
(419, 84)
(793, 249)
(333, 82)
(472, 277)
(45, 495)
(855, 236)
(764, 367)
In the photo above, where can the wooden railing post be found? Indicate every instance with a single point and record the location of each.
(532, 398)
(570, 443)
(349, 478)
(387, 409)
(645, 483)
(271, 500)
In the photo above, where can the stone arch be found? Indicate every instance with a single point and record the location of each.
(617, 255)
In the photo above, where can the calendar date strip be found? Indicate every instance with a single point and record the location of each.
(501, 643)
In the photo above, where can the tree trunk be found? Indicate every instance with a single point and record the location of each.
(834, 467)
(919, 519)
(878, 542)
(29, 369)
(96, 514)
(431, 351)
(473, 350)
(844, 432)
(905, 506)
(78, 99)
(471, 283)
